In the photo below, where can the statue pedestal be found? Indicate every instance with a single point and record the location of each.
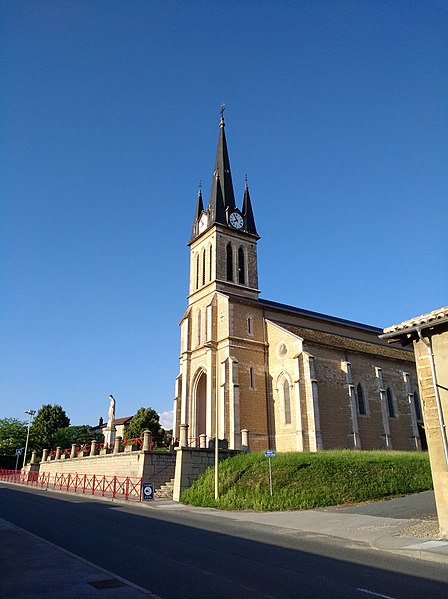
(109, 435)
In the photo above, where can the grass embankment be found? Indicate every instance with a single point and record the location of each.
(310, 480)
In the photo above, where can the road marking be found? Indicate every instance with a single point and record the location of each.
(375, 594)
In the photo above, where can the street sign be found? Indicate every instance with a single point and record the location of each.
(147, 491)
(270, 453)
(19, 451)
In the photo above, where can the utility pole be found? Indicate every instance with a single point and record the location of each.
(216, 430)
(30, 416)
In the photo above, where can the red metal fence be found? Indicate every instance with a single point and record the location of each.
(119, 487)
(26, 478)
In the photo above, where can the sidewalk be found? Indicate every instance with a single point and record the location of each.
(33, 568)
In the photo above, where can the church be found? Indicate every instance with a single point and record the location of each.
(260, 373)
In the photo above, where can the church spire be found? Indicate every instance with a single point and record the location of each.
(199, 205)
(222, 208)
(222, 196)
(198, 212)
(248, 214)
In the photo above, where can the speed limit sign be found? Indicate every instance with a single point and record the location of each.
(147, 491)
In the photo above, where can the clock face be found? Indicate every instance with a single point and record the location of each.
(236, 220)
(203, 223)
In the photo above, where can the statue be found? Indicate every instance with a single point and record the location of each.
(111, 409)
(110, 430)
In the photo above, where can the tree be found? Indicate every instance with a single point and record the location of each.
(12, 435)
(145, 419)
(65, 437)
(49, 419)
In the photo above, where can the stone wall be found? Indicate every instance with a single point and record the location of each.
(158, 467)
(191, 463)
(151, 466)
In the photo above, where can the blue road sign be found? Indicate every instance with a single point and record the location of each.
(147, 491)
(270, 453)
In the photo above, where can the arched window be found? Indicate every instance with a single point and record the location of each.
(241, 268)
(418, 407)
(229, 252)
(312, 364)
(361, 400)
(210, 263)
(203, 266)
(287, 402)
(197, 271)
(390, 403)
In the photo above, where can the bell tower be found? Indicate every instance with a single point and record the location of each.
(223, 245)
(216, 329)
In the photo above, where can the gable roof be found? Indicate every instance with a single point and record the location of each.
(125, 420)
(342, 342)
(120, 421)
(318, 315)
(418, 321)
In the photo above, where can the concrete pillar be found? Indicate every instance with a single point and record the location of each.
(73, 451)
(58, 453)
(312, 402)
(146, 440)
(384, 410)
(432, 371)
(234, 405)
(117, 445)
(298, 405)
(109, 435)
(33, 458)
(183, 440)
(93, 448)
(354, 417)
(245, 439)
(203, 441)
(44, 455)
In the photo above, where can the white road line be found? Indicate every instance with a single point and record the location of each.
(375, 594)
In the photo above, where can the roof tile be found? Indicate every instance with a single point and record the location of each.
(419, 320)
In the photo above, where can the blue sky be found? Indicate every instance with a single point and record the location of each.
(336, 110)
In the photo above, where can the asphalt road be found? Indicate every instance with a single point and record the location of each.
(180, 554)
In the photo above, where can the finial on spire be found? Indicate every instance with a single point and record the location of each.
(246, 184)
(200, 187)
(221, 112)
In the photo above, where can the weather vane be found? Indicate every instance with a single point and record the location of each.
(223, 107)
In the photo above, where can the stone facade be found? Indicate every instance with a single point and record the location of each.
(429, 336)
(297, 380)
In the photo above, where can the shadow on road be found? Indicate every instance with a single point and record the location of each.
(178, 554)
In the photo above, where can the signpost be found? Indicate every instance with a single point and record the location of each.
(18, 453)
(147, 491)
(270, 453)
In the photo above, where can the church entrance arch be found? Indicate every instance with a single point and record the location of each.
(199, 416)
